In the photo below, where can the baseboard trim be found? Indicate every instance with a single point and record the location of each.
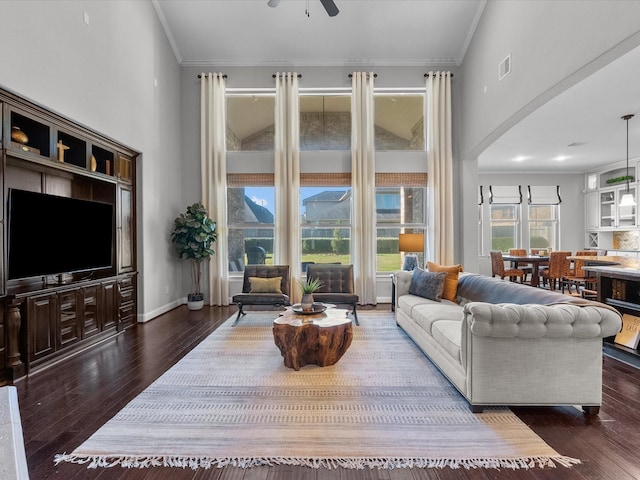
(145, 317)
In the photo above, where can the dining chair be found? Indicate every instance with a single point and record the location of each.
(527, 268)
(558, 268)
(578, 277)
(497, 268)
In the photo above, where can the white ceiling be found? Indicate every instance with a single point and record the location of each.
(412, 33)
(371, 32)
(588, 114)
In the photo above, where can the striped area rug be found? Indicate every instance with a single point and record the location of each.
(231, 401)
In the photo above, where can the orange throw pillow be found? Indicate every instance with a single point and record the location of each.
(450, 281)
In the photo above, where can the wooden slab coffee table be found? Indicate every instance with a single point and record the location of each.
(319, 339)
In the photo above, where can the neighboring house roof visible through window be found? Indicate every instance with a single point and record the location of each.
(256, 213)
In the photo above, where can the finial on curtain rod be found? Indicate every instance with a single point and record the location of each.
(274, 75)
(375, 75)
(427, 74)
(223, 76)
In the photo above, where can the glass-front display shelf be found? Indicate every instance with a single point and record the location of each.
(29, 135)
(608, 209)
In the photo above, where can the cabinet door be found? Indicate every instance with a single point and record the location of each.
(125, 168)
(626, 214)
(42, 319)
(91, 320)
(591, 208)
(608, 209)
(126, 232)
(109, 310)
(3, 348)
(70, 319)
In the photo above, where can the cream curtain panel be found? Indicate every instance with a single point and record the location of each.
(363, 235)
(287, 248)
(213, 163)
(440, 167)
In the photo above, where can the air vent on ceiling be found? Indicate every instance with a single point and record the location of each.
(504, 68)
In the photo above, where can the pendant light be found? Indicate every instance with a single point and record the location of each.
(627, 199)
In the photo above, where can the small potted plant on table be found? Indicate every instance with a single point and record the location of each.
(308, 288)
(194, 234)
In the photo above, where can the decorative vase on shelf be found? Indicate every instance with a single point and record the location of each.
(306, 302)
(19, 136)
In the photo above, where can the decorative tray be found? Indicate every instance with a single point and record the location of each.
(317, 308)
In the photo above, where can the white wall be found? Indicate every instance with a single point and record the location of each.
(102, 75)
(553, 45)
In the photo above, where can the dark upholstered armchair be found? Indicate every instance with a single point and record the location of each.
(261, 287)
(337, 284)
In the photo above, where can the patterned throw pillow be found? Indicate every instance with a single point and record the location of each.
(265, 285)
(450, 282)
(427, 284)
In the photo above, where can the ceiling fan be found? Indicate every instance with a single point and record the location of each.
(329, 6)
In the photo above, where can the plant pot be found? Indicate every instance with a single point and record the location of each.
(195, 301)
(306, 303)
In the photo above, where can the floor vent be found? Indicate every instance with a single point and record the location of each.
(504, 68)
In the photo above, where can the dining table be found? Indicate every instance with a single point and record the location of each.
(534, 260)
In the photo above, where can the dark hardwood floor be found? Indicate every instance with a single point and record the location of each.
(64, 404)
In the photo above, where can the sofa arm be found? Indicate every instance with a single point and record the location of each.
(507, 320)
(402, 281)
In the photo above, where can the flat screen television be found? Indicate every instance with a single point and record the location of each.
(51, 235)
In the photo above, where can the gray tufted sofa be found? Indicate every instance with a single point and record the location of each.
(511, 344)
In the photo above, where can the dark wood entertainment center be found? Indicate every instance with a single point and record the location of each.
(44, 319)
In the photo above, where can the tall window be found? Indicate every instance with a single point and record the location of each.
(399, 121)
(400, 208)
(325, 122)
(325, 206)
(250, 121)
(505, 223)
(543, 226)
(251, 219)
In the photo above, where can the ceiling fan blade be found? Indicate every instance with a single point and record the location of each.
(330, 7)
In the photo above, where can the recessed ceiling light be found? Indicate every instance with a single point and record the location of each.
(520, 158)
(561, 158)
(577, 144)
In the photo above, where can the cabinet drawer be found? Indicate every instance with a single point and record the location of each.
(126, 282)
(127, 315)
(126, 296)
(126, 311)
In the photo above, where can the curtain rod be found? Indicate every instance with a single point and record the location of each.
(375, 75)
(274, 75)
(223, 76)
(427, 74)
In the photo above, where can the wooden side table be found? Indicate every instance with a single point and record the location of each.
(319, 339)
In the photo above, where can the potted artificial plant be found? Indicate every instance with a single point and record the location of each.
(308, 288)
(193, 234)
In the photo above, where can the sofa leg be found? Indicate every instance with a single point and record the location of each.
(355, 315)
(240, 312)
(476, 408)
(591, 409)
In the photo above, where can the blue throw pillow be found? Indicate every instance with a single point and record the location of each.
(427, 284)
